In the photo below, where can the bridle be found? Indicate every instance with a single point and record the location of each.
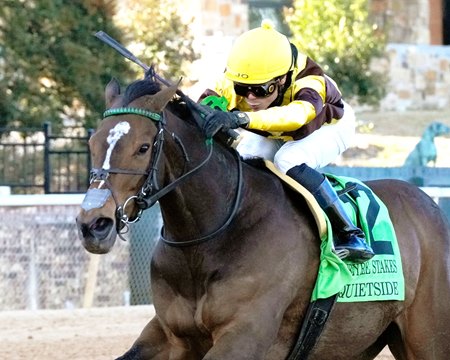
(151, 191)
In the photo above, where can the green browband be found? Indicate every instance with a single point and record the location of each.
(131, 110)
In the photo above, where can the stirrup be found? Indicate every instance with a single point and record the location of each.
(342, 253)
(355, 256)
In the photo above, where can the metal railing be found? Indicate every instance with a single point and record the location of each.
(37, 161)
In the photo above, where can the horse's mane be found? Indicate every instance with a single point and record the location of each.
(147, 86)
(140, 88)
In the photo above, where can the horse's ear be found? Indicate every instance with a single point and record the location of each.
(159, 101)
(112, 90)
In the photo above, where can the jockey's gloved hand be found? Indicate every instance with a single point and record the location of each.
(221, 120)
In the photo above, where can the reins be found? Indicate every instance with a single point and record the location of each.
(205, 238)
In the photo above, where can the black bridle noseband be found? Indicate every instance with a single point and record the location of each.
(151, 191)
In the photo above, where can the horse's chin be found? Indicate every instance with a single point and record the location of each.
(99, 246)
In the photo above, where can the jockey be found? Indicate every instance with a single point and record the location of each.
(292, 114)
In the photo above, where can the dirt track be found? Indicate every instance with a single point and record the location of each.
(87, 334)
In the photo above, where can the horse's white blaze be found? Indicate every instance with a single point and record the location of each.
(114, 136)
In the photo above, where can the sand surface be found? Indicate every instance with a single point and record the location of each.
(81, 334)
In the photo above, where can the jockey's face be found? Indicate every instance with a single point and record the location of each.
(262, 103)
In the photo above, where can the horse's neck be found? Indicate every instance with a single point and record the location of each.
(201, 204)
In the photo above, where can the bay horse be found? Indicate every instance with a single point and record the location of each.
(233, 273)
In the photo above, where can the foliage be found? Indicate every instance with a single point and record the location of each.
(52, 67)
(340, 37)
(158, 35)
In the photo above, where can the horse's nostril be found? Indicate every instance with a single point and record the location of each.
(101, 227)
(99, 224)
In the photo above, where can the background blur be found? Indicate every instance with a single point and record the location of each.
(391, 59)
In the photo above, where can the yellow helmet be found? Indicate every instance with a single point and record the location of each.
(259, 55)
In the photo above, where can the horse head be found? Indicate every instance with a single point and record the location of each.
(125, 150)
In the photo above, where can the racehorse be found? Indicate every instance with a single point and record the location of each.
(233, 272)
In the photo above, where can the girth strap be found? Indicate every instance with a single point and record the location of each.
(313, 324)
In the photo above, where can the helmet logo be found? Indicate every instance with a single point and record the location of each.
(240, 75)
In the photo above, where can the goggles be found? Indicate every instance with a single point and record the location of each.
(260, 90)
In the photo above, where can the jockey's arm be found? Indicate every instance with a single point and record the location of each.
(309, 98)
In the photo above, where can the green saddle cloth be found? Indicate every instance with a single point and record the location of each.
(380, 278)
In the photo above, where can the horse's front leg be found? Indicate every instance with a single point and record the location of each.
(248, 337)
(153, 343)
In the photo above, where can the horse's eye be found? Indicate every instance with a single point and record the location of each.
(144, 148)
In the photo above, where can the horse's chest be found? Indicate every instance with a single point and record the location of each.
(211, 308)
(180, 316)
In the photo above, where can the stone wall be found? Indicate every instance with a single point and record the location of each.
(44, 266)
(419, 77)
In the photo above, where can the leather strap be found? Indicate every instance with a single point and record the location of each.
(313, 324)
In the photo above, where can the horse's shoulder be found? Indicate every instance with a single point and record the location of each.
(262, 172)
(257, 163)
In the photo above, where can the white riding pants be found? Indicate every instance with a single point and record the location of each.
(316, 150)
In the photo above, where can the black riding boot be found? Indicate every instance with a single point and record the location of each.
(350, 243)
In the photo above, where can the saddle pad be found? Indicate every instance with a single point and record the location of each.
(380, 278)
